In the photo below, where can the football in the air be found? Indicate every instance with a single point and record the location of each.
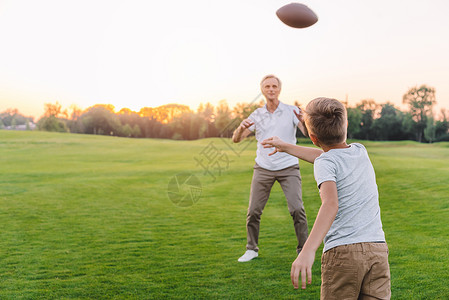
(297, 15)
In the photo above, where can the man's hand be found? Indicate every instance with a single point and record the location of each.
(242, 131)
(301, 124)
(299, 115)
(274, 142)
(246, 124)
(302, 265)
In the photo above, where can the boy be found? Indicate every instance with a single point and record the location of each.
(354, 264)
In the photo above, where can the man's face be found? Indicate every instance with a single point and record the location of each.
(271, 89)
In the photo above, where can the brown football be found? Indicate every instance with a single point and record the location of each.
(297, 15)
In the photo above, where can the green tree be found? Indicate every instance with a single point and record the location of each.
(136, 131)
(99, 119)
(126, 131)
(187, 125)
(420, 101)
(242, 110)
(52, 123)
(408, 126)
(166, 113)
(74, 123)
(389, 124)
(430, 130)
(223, 119)
(9, 115)
(207, 113)
(54, 110)
(354, 121)
(442, 127)
(151, 126)
(133, 119)
(369, 110)
(54, 118)
(76, 112)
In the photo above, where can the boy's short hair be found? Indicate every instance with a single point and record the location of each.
(326, 118)
(270, 76)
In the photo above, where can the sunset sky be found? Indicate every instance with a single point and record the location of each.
(148, 53)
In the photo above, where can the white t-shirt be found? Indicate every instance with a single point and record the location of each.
(358, 217)
(282, 123)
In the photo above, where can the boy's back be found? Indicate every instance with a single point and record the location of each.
(354, 264)
(358, 217)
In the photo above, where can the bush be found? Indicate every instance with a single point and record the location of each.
(443, 138)
(52, 124)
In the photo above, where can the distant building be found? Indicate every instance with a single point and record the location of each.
(29, 126)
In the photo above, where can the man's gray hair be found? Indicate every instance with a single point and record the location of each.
(270, 76)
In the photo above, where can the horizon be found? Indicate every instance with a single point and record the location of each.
(147, 54)
(116, 110)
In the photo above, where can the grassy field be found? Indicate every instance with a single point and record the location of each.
(90, 217)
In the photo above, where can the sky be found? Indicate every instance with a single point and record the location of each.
(138, 54)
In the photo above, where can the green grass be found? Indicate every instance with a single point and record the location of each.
(89, 217)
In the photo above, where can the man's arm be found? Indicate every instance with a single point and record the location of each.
(308, 154)
(242, 131)
(326, 216)
(301, 125)
(303, 129)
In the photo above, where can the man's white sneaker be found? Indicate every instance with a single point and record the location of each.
(249, 254)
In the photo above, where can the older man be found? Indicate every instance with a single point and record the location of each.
(274, 119)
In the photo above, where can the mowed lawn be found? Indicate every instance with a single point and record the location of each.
(87, 216)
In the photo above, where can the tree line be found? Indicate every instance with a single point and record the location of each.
(367, 120)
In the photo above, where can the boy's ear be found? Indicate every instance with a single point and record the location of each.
(314, 139)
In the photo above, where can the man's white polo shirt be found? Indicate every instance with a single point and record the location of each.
(281, 123)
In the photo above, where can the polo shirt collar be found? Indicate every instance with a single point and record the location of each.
(280, 107)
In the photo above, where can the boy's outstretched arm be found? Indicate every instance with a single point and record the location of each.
(308, 154)
(326, 215)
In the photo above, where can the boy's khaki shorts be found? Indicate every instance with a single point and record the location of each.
(356, 271)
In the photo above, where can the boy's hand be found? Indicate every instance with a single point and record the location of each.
(302, 264)
(274, 142)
